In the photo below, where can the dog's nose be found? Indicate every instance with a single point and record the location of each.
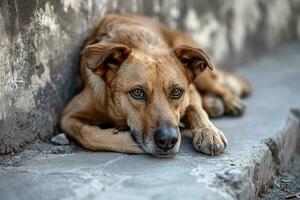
(166, 138)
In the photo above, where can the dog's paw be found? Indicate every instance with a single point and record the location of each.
(234, 106)
(210, 141)
(213, 105)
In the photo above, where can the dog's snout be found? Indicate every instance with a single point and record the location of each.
(165, 138)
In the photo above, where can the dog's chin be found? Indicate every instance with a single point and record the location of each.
(160, 153)
(168, 155)
(157, 152)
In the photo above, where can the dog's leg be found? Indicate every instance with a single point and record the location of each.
(97, 139)
(78, 121)
(206, 83)
(213, 105)
(238, 85)
(206, 137)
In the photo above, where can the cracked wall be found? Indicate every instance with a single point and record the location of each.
(41, 40)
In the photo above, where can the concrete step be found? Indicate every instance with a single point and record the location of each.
(260, 143)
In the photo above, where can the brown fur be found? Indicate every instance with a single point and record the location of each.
(127, 52)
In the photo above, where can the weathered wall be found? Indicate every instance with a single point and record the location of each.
(41, 40)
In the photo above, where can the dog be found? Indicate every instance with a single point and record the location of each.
(141, 79)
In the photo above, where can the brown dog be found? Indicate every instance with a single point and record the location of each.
(142, 77)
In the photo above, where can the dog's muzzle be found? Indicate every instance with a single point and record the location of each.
(163, 143)
(166, 138)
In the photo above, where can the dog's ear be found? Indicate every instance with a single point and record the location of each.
(103, 57)
(194, 59)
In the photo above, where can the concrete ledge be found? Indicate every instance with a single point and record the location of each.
(260, 143)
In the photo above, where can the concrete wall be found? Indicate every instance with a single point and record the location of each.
(40, 42)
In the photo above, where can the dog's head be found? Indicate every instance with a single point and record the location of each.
(148, 91)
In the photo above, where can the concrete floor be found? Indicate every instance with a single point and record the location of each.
(260, 143)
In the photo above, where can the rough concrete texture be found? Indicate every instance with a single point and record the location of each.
(288, 182)
(260, 144)
(41, 40)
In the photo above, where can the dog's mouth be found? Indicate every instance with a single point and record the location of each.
(149, 146)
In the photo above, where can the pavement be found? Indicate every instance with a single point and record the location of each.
(260, 144)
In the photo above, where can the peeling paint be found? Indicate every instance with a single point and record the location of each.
(75, 5)
(246, 16)
(277, 24)
(134, 6)
(156, 6)
(191, 20)
(174, 12)
(171, 7)
(47, 18)
(49, 41)
(4, 69)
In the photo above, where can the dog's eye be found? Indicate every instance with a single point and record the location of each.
(138, 93)
(176, 93)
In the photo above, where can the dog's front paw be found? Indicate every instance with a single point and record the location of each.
(210, 141)
(234, 105)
